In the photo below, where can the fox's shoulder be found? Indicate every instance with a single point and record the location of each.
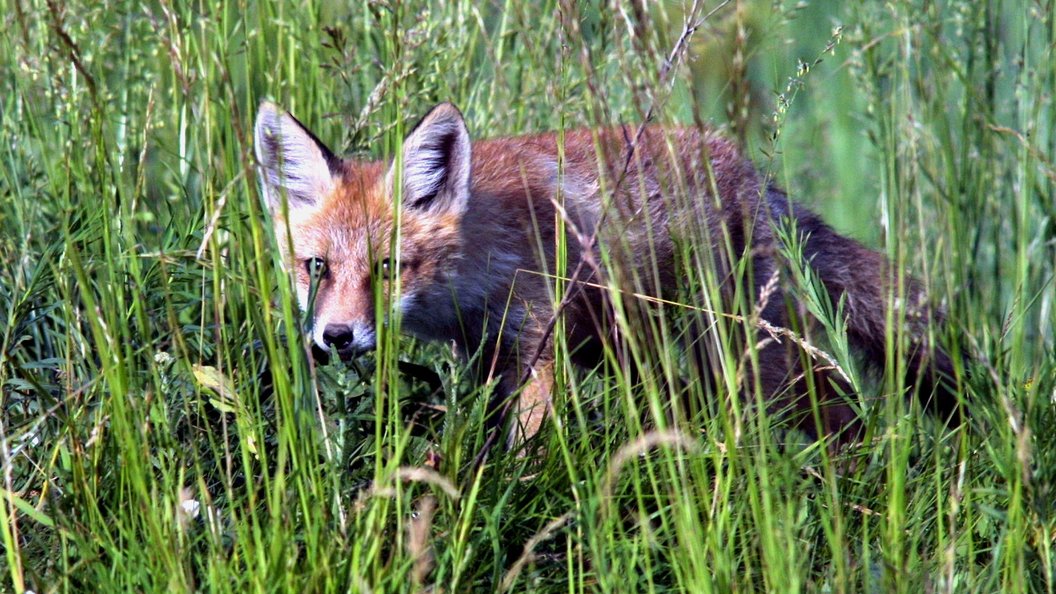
(534, 159)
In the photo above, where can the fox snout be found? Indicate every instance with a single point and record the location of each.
(340, 337)
(346, 340)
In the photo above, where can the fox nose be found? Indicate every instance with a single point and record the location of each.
(338, 336)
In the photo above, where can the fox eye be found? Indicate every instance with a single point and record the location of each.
(316, 267)
(386, 268)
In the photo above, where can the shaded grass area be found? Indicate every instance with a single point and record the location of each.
(164, 429)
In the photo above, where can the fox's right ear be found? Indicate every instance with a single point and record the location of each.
(292, 162)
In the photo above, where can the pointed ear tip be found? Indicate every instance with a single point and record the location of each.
(446, 110)
(268, 112)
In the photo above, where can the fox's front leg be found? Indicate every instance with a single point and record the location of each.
(532, 405)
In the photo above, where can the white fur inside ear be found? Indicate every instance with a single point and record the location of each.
(292, 163)
(436, 161)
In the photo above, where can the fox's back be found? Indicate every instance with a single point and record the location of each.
(630, 163)
(635, 189)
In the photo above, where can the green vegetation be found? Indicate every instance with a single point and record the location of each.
(163, 428)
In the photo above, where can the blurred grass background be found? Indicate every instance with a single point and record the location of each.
(163, 430)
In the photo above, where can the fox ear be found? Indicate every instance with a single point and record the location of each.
(436, 161)
(292, 161)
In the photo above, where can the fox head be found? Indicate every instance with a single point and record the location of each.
(335, 221)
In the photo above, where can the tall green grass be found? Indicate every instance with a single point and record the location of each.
(162, 428)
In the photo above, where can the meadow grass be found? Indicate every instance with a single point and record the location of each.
(164, 429)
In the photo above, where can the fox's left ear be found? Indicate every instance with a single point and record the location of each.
(293, 163)
(436, 162)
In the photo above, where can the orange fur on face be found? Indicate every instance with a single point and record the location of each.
(348, 229)
(351, 230)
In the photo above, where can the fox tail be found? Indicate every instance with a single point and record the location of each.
(867, 283)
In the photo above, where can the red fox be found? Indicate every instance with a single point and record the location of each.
(479, 223)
